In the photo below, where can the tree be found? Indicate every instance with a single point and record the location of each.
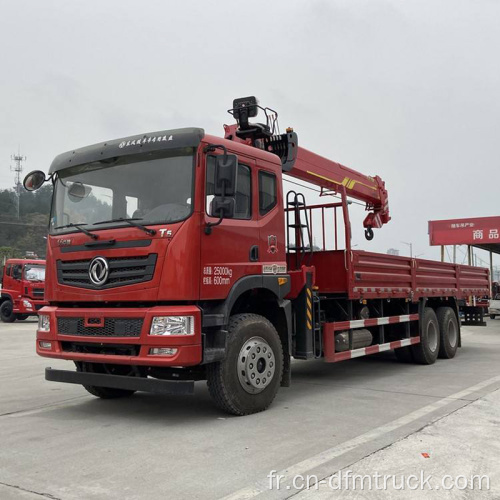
(25, 234)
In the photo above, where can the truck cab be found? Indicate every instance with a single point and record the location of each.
(23, 289)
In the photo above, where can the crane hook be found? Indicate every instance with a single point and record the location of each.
(369, 233)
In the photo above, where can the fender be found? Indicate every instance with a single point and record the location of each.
(218, 314)
(6, 296)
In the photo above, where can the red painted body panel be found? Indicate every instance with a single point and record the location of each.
(331, 275)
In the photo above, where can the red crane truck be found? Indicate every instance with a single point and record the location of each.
(22, 293)
(175, 257)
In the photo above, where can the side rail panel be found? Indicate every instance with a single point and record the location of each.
(329, 330)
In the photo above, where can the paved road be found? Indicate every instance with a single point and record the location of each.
(56, 441)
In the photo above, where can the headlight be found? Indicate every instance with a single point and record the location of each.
(44, 323)
(27, 304)
(172, 325)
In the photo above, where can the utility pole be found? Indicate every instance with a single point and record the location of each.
(411, 248)
(17, 168)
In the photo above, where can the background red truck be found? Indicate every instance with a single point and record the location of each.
(175, 256)
(23, 288)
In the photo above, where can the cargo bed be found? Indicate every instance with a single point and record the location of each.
(367, 275)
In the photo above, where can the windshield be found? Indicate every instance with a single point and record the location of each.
(34, 273)
(154, 190)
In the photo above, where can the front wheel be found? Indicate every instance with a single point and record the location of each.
(7, 312)
(247, 380)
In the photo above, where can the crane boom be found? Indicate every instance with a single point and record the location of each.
(332, 176)
(308, 166)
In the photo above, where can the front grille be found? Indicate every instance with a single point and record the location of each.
(38, 293)
(122, 271)
(113, 327)
(108, 349)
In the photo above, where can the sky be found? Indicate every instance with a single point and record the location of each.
(407, 90)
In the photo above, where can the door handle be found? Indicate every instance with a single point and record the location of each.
(254, 253)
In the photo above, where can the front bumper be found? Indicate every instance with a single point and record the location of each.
(117, 349)
(121, 382)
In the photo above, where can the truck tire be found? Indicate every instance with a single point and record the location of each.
(103, 392)
(249, 377)
(448, 332)
(22, 317)
(492, 316)
(427, 350)
(404, 354)
(7, 312)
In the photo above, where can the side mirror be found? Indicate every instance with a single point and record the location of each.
(225, 175)
(34, 180)
(223, 207)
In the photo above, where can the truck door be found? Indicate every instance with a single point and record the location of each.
(231, 251)
(271, 221)
(16, 277)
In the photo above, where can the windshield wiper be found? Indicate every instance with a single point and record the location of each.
(81, 229)
(131, 222)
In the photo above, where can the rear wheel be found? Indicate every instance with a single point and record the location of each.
(7, 312)
(247, 380)
(427, 350)
(105, 392)
(448, 331)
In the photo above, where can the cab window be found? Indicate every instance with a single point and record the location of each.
(243, 196)
(17, 271)
(268, 195)
(7, 271)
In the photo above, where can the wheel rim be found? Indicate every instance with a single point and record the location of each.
(452, 333)
(432, 336)
(256, 365)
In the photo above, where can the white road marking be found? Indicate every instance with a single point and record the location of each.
(51, 406)
(331, 453)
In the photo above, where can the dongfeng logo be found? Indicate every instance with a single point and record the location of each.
(99, 271)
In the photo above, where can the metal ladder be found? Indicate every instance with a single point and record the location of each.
(296, 203)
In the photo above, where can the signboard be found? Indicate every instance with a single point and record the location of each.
(476, 231)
